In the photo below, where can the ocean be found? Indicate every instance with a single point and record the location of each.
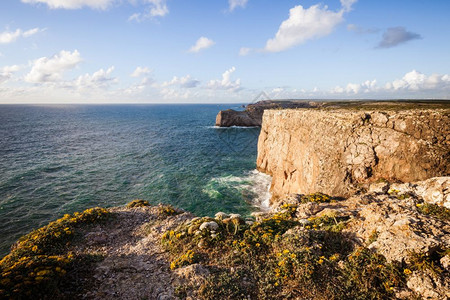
(57, 159)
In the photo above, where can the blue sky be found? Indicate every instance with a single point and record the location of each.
(166, 51)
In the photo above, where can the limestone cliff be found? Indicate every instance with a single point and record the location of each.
(252, 115)
(337, 150)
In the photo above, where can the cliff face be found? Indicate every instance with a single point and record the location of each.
(252, 115)
(336, 150)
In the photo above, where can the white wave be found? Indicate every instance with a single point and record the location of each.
(255, 182)
(261, 187)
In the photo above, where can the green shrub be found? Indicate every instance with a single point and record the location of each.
(138, 203)
(39, 262)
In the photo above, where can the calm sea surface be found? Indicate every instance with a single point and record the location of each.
(61, 159)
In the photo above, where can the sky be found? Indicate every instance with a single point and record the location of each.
(222, 51)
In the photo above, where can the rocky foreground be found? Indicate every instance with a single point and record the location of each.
(390, 241)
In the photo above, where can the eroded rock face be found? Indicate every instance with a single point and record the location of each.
(252, 115)
(229, 117)
(335, 151)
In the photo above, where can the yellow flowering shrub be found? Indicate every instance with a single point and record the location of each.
(316, 197)
(167, 210)
(188, 258)
(39, 260)
(138, 203)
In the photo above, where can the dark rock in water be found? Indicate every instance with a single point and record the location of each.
(252, 115)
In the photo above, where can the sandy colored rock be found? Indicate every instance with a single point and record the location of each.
(335, 151)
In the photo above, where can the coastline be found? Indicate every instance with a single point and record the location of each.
(387, 239)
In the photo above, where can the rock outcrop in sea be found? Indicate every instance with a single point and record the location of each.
(252, 115)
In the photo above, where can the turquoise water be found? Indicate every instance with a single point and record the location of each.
(61, 159)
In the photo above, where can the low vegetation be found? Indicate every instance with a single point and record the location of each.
(439, 212)
(39, 265)
(281, 257)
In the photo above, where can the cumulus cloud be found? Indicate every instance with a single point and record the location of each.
(73, 4)
(184, 82)
(201, 44)
(357, 88)
(306, 24)
(413, 83)
(397, 35)
(156, 8)
(7, 37)
(416, 81)
(51, 69)
(139, 71)
(236, 3)
(7, 72)
(100, 79)
(226, 83)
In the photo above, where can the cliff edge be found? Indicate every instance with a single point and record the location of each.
(336, 150)
(252, 115)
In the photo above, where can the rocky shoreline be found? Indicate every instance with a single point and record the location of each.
(385, 239)
(160, 252)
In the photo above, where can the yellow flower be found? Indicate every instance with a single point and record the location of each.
(293, 255)
(285, 251)
(279, 254)
(407, 271)
(258, 244)
(35, 248)
(276, 283)
(320, 261)
(235, 242)
(334, 257)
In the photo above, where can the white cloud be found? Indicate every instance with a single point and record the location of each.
(156, 8)
(7, 37)
(51, 69)
(416, 81)
(7, 72)
(302, 25)
(236, 3)
(174, 94)
(244, 51)
(357, 88)
(184, 82)
(98, 80)
(226, 83)
(10, 69)
(347, 4)
(73, 4)
(201, 44)
(139, 71)
(413, 84)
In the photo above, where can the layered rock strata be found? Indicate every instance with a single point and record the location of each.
(338, 150)
(252, 115)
